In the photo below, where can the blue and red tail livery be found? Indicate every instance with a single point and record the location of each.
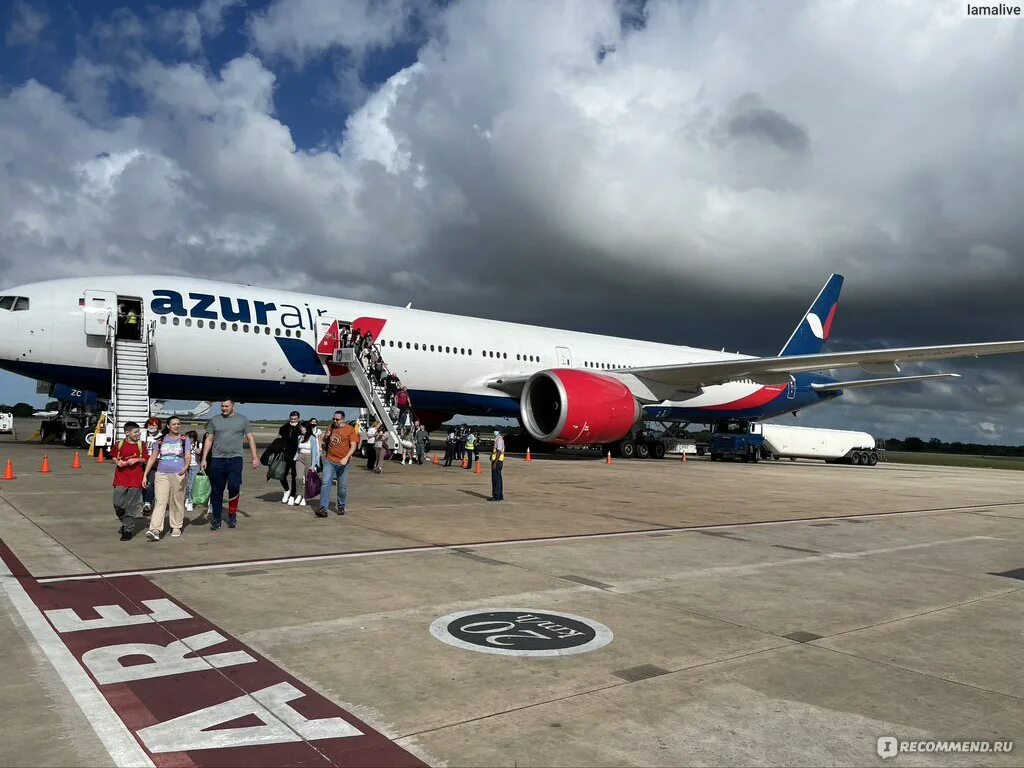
(814, 329)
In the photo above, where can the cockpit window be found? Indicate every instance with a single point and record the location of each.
(6, 302)
(20, 304)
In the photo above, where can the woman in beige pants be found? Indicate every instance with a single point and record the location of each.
(172, 455)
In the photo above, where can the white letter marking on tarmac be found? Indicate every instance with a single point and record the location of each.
(105, 663)
(66, 620)
(283, 724)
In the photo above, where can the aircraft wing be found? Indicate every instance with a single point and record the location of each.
(777, 370)
(667, 382)
(838, 386)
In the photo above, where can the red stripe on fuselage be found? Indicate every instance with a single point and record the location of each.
(756, 399)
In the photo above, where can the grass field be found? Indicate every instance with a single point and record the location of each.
(955, 460)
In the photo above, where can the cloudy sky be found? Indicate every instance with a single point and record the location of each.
(677, 170)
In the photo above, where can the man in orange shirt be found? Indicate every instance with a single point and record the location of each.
(340, 442)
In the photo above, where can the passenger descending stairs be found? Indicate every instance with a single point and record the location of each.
(129, 385)
(372, 395)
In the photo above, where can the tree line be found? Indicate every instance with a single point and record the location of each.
(934, 445)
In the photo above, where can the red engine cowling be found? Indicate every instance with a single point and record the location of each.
(570, 407)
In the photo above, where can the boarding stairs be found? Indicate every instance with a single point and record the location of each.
(372, 394)
(129, 384)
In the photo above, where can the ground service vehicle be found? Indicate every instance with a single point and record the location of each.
(74, 425)
(736, 440)
(6, 422)
(832, 445)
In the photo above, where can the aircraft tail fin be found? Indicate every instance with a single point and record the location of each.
(814, 328)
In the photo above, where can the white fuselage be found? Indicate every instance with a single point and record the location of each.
(212, 340)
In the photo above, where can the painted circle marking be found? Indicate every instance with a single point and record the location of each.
(521, 632)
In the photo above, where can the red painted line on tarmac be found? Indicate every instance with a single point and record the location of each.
(153, 700)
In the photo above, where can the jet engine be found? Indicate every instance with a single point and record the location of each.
(570, 407)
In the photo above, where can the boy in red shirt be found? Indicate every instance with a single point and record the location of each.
(130, 456)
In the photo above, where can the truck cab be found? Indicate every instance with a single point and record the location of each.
(741, 440)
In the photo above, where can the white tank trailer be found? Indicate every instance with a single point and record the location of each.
(832, 445)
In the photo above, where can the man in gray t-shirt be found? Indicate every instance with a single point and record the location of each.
(222, 453)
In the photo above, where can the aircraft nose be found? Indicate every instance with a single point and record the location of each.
(8, 335)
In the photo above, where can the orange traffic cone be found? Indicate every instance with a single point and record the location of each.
(435, 458)
(9, 472)
(609, 459)
(476, 470)
(46, 465)
(77, 463)
(529, 458)
(465, 463)
(99, 456)
(683, 460)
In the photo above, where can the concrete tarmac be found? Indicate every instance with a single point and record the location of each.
(781, 613)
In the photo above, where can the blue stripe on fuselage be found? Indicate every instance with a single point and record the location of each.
(187, 387)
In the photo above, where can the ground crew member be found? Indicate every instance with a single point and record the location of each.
(470, 449)
(449, 448)
(131, 322)
(497, 464)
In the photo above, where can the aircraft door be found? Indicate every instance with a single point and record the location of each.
(791, 389)
(100, 312)
(564, 357)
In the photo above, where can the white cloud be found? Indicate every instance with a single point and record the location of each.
(27, 24)
(300, 29)
(539, 157)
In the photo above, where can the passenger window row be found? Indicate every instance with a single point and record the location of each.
(422, 347)
(14, 303)
(234, 327)
(604, 366)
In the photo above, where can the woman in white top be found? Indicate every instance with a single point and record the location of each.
(379, 446)
(307, 457)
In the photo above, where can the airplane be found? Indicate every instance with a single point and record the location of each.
(253, 344)
(157, 409)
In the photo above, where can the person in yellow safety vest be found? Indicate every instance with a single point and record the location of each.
(131, 323)
(497, 464)
(470, 449)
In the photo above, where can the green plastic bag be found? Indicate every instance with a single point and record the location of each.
(278, 468)
(201, 489)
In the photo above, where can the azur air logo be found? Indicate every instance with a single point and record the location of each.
(206, 306)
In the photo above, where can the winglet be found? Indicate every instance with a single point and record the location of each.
(814, 328)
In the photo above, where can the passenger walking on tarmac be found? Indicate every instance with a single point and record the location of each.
(307, 457)
(449, 447)
(380, 445)
(171, 457)
(289, 432)
(193, 467)
(314, 428)
(130, 456)
(222, 460)
(476, 443)
(420, 438)
(153, 434)
(470, 448)
(340, 443)
(497, 464)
